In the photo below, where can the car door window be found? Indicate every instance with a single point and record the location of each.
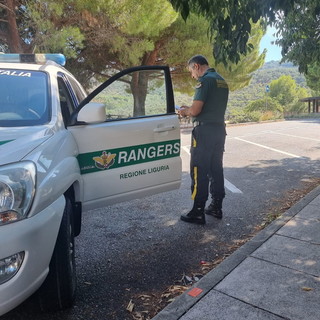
(66, 102)
(78, 91)
(137, 94)
(136, 152)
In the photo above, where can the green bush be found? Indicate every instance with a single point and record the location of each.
(303, 116)
(236, 115)
(270, 115)
(264, 105)
(240, 115)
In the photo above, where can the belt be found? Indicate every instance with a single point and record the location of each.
(207, 123)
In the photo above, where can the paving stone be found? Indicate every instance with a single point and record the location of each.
(307, 230)
(315, 202)
(218, 306)
(310, 212)
(295, 254)
(288, 293)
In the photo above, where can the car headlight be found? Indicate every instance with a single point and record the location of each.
(17, 189)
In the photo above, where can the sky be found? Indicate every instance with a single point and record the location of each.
(274, 51)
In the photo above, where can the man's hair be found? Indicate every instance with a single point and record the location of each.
(198, 59)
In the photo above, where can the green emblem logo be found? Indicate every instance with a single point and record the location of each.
(105, 161)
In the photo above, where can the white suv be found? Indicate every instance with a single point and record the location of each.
(62, 152)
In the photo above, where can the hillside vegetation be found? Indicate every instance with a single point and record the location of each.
(286, 86)
(257, 88)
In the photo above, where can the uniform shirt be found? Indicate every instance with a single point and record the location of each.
(213, 90)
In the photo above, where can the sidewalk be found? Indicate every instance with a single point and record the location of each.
(276, 275)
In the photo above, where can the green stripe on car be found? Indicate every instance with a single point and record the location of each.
(127, 156)
(3, 142)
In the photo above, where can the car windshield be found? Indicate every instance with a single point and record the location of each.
(23, 98)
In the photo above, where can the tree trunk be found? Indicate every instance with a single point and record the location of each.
(139, 83)
(139, 88)
(14, 41)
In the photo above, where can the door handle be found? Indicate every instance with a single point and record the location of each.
(163, 129)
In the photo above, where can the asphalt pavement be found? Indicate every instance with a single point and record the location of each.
(276, 275)
(140, 247)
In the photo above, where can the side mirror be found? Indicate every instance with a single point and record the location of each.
(93, 112)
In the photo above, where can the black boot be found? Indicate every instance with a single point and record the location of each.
(215, 208)
(196, 215)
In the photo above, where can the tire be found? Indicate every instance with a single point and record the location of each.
(59, 288)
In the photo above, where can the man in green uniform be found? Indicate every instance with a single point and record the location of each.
(208, 139)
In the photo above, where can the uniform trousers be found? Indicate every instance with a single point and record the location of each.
(206, 165)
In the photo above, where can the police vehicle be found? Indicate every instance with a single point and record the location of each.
(62, 152)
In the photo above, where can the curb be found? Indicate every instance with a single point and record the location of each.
(184, 302)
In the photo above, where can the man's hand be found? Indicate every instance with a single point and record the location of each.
(184, 111)
(192, 111)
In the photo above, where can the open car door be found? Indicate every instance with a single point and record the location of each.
(128, 137)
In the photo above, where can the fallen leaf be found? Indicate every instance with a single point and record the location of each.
(306, 289)
(130, 306)
(144, 296)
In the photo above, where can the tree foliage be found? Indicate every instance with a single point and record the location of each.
(270, 71)
(253, 103)
(297, 20)
(9, 17)
(102, 36)
(297, 106)
(186, 38)
(313, 78)
(239, 75)
(232, 19)
(283, 90)
(287, 93)
(29, 26)
(299, 33)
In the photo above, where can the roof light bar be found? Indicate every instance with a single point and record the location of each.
(39, 58)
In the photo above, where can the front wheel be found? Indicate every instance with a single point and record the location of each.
(58, 290)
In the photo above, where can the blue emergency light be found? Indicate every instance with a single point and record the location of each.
(39, 58)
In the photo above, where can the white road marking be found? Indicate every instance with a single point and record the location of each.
(291, 135)
(263, 133)
(231, 187)
(186, 149)
(227, 183)
(272, 149)
(250, 134)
